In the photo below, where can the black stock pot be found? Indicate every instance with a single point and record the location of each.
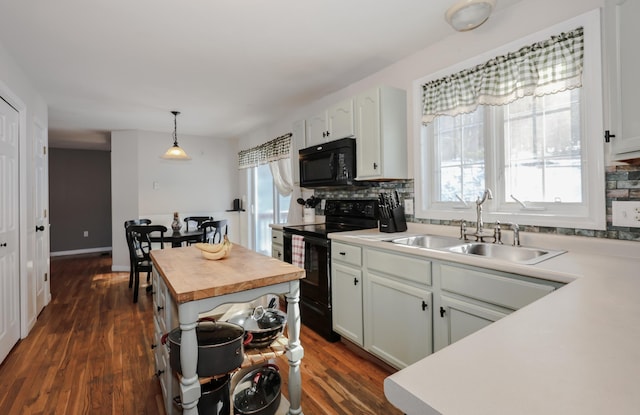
(220, 347)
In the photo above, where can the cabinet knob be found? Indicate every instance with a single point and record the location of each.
(153, 346)
(424, 305)
(3, 244)
(279, 254)
(442, 311)
(342, 253)
(159, 373)
(375, 166)
(355, 281)
(40, 228)
(160, 308)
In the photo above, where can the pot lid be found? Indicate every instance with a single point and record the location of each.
(257, 389)
(260, 319)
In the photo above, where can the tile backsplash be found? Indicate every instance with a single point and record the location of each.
(622, 183)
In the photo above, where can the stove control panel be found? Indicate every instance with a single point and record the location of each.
(366, 208)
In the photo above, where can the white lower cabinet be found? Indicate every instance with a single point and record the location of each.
(457, 319)
(277, 244)
(397, 320)
(397, 307)
(472, 298)
(346, 291)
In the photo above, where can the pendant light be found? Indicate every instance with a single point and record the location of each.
(175, 152)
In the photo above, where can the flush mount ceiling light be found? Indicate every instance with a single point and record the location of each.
(469, 14)
(175, 152)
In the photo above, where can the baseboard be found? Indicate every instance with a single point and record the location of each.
(81, 251)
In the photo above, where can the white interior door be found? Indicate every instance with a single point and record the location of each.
(9, 230)
(41, 203)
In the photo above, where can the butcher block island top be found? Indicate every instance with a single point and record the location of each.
(190, 277)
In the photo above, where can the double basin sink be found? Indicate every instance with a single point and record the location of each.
(517, 254)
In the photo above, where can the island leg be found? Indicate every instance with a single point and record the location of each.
(295, 352)
(189, 384)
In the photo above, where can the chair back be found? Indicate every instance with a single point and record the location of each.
(197, 219)
(130, 222)
(212, 230)
(139, 240)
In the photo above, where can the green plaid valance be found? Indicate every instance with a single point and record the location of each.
(546, 67)
(275, 149)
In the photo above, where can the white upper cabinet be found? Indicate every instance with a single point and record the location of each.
(381, 134)
(623, 65)
(332, 124)
(298, 132)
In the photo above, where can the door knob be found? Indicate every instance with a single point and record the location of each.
(40, 228)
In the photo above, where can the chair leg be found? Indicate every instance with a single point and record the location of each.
(131, 276)
(136, 285)
(149, 287)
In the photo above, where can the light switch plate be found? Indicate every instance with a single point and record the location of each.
(626, 213)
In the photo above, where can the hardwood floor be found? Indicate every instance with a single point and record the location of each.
(90, 353)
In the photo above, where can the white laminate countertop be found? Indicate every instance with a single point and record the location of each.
(574, 351)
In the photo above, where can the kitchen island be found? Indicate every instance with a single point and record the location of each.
(196, 285)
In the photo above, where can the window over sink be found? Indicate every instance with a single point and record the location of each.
(540, 153)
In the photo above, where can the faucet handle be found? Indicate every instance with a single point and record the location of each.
(516, 234)
(463, 229)
(497, 233)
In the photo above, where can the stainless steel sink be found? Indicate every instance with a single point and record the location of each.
(427, 241)
(519, 254)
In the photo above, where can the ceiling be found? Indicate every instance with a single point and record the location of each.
(229, 66)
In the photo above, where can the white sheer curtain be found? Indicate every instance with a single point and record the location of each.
(282, 177)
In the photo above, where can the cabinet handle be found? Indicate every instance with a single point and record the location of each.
(343, 253)
(3, 244)
(153, 346)
(40, 228)
(442, 312)
(279, 254)
(608, 136)
(355, 281)
(375, 166)
(160, 308)
(424, 305)
(159, 373)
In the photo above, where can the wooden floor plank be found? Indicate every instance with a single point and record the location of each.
(90, 353)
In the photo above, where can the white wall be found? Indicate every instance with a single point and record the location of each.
(17, 89)
(523, 18)
(201, 186)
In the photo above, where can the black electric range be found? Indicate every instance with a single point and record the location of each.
(315, 288)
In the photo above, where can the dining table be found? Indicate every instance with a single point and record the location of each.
(177, 238)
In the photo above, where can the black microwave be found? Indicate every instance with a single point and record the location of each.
(328, 164)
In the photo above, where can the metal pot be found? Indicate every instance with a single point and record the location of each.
(220, 347)
(265, 325)
(214, 397)
(258, 392)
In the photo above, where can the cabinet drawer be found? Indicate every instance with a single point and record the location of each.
(406, 267)
(503, 291)
(346, 253)
(276, 237)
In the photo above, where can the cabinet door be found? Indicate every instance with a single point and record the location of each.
(298, 131)
(368, 134)
(621, 36)
(316, 129)
(346, 294)
(398, 318)
(341, 121)
(457, 319)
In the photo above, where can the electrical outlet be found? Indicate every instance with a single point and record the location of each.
(626, 213)
(86, 234)
(408, 206)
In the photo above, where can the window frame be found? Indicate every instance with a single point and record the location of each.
(592, 213)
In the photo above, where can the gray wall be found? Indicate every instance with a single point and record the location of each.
(79, 200)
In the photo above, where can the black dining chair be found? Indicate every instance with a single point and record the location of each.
(139, 242)
(197, 219)
(128, 223)
(212, 230)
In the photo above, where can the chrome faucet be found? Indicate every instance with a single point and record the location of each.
(516, 234)
(479, 223)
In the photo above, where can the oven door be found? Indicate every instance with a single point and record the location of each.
(316, 285)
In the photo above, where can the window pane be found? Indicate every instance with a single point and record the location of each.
(460, 155)
(264, 209)
(542, 148)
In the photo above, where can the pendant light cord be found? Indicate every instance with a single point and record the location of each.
(175, 128)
